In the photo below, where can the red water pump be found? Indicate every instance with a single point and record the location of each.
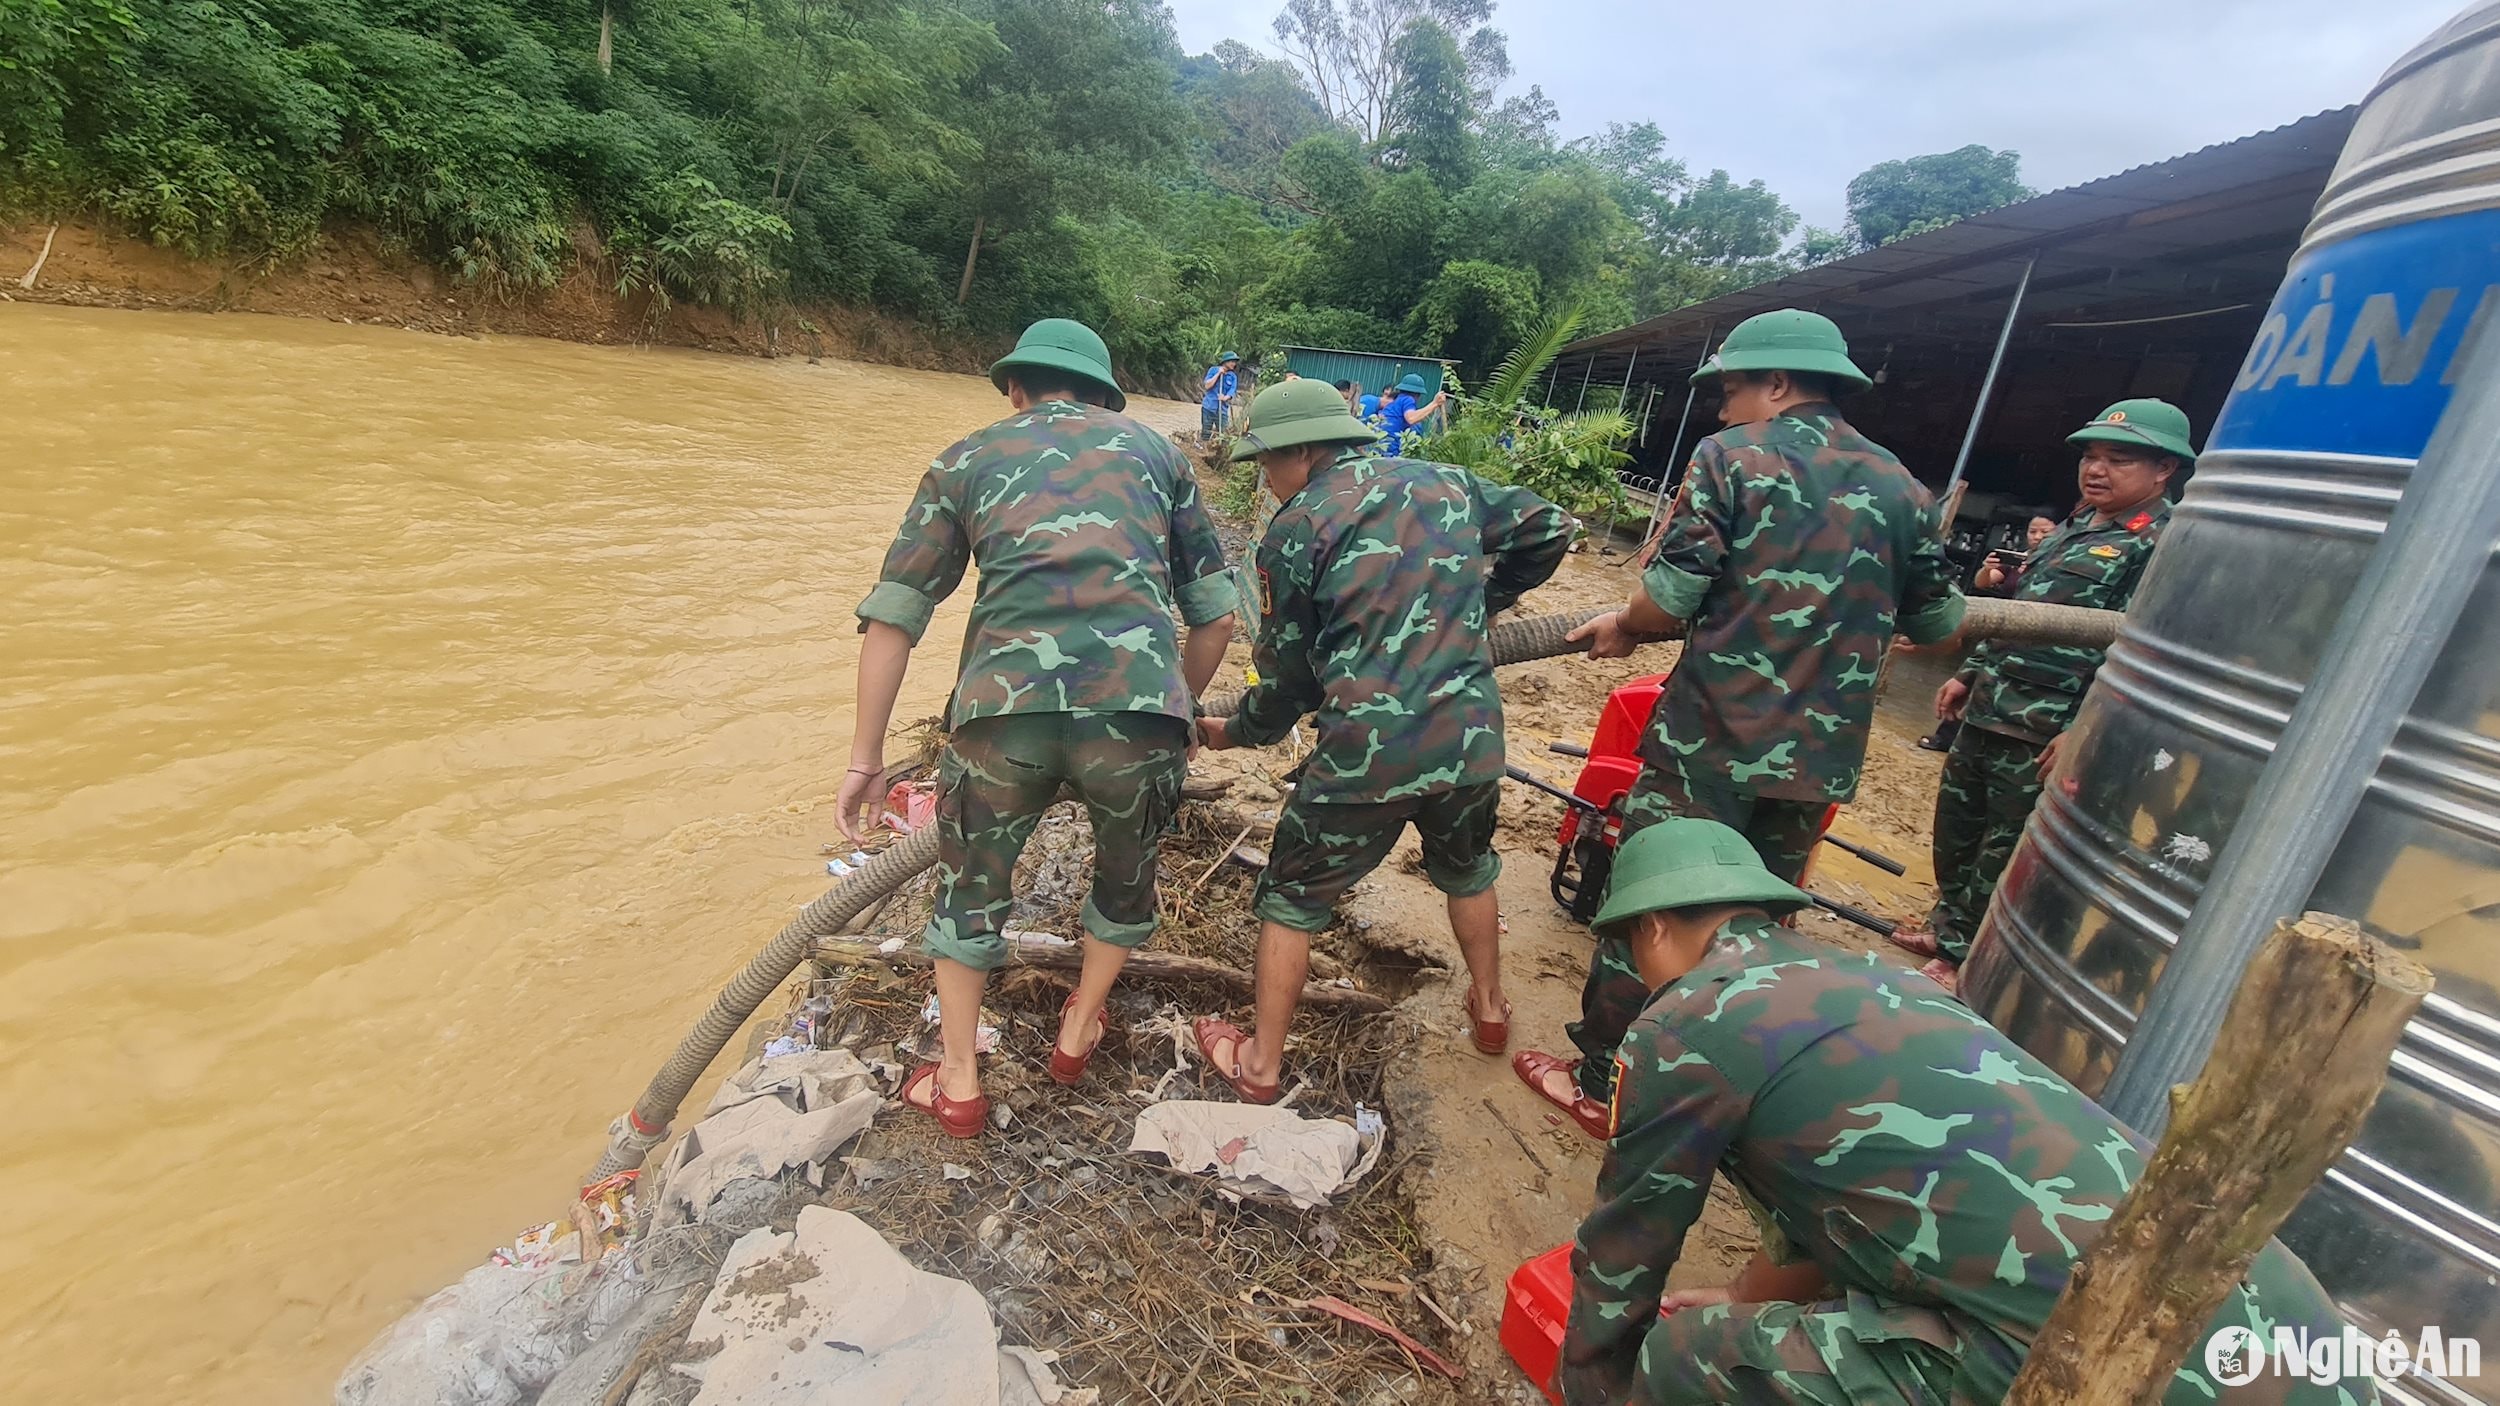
(1592, 823)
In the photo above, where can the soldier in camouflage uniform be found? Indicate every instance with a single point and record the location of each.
(1924, 1186)
(1796, 550)
(1377, 581)
(2014, 700)
(1089, 533)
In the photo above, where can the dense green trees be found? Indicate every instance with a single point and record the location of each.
(1894, 199)
(974, 163)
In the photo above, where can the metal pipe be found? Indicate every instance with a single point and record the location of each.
(2427, 565)
(1587, 369)
(1988, 383)
(1658, 509)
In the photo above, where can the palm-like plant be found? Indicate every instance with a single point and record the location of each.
(1499, 433)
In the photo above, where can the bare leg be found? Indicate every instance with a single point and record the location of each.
(1284, 963)
(959, 990)
(1102, 966)
(1476, 921)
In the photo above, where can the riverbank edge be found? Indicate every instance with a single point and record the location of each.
(352, 274)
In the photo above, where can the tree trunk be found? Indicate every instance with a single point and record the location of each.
(607, 38)
(972, 256)
(2297, 1064)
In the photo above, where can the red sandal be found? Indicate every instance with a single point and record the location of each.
(1209, 1031)
(961, 1118)
(1070, 1069)
(1946, 974)
(1488, 1036)
(1594, 1118)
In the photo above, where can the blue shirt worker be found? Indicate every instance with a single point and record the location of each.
(1403, 412)
(1222, 383)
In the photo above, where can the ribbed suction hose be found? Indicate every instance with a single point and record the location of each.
(631, 1138)
(2038, 622)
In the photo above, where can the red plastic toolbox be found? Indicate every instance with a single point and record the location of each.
(1533, 1314)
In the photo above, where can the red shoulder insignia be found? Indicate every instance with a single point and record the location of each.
(1267, 593)
(2139, 522)
(1614, 1100)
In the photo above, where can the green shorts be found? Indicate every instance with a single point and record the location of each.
(996, 778)
(1324, 848)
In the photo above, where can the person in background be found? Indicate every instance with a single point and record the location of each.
(2015, 700)
(1088, 532)
(1796, 549)
(1405, 411)
(1995, 578)
(1923, 1187)
(1221, 383)
(1352, 391)
(1367, 408)
(1378, 580)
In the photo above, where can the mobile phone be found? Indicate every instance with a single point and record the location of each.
(2010, 558)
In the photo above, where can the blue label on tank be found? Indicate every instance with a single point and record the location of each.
(2359, 353)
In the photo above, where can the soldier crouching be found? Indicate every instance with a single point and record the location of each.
(1924, 1186)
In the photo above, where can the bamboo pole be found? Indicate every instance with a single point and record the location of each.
(2297, 1064)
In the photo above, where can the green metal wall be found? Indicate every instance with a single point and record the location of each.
(1372, 369)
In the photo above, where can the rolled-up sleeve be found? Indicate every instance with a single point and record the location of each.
(1692, 549)
(1201, 581)
(926, 562)
(1931, 602)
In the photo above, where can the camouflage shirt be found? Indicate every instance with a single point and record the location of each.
(2031, 691)
(1088, 531)
(1925, 1163)
(1796, 549)
(1376, 582)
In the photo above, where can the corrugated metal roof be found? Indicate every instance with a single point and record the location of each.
(2203, 229)
(1373, 369)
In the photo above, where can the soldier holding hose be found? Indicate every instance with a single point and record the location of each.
(1796, 550)
(2014, 700)
(1088, 531)
(1377, 582)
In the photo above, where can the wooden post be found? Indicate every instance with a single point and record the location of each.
(2297, 1064)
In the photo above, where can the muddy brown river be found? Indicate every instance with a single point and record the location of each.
(400, 738)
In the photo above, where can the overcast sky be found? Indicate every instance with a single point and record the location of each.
(1805, 94)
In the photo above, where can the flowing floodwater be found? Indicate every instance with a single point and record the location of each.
(400, 739)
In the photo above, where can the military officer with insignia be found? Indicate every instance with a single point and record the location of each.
(1924, 1187)
(1089, 535)
(2013, 700)
(1378, 579)
(1796, 550)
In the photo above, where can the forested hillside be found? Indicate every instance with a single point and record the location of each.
(969, 163)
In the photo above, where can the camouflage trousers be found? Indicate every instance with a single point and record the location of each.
(1991, 781)
(1782, 832)
(1324, 848)
(996, 778)
(1852, 1352)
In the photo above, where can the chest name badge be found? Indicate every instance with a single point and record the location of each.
(2110, 552)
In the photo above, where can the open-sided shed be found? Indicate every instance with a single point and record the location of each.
(1992, 337)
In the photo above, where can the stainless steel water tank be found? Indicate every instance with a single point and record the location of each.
(2332, 406)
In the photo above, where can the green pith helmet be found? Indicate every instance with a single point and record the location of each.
(1688, 864)
(1228, 356)
(1413, 384)
(2147, 424)
(1300, 412)
(1059, 344)
(1790, 339)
